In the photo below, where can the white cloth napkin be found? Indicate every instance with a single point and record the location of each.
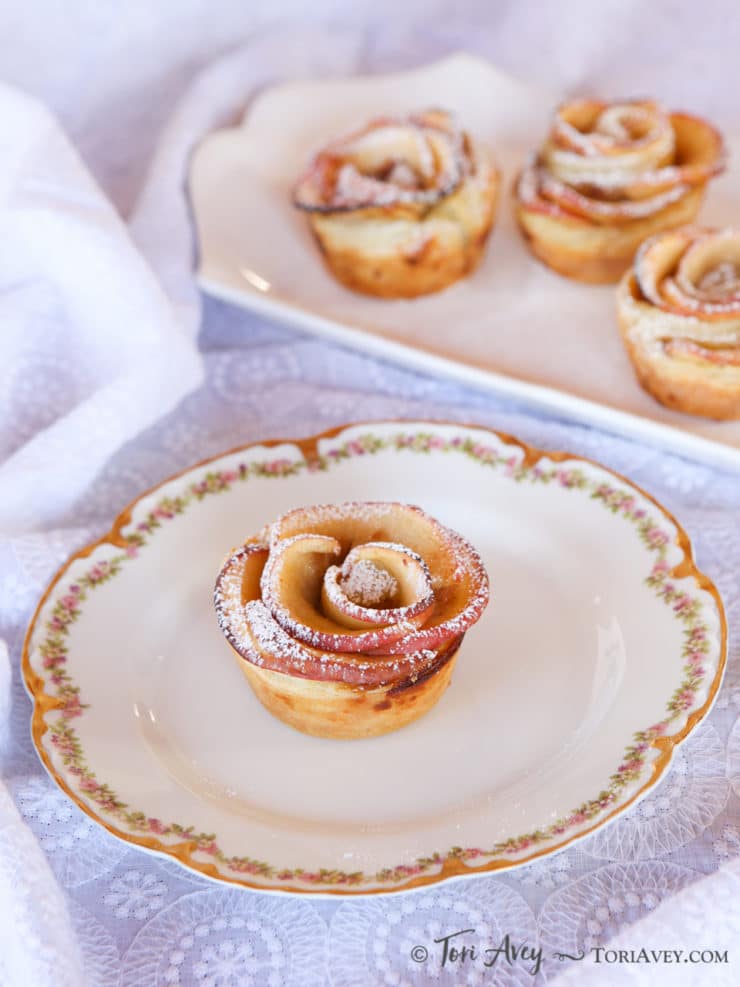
(92, 351)
(37, 944)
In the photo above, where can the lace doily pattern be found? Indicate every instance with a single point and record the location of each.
(546, 874)
(594, 908)
(78, 849)
(225, 938)
(135, 894)
(733, 757)
(683, 806)
(375, 944)
(100, 956)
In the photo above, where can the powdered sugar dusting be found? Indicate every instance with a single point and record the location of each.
(267, 634)
(665, 280)
(414, 160)
(367, 584)
(568, 196)
(623, 167)
(720, 281)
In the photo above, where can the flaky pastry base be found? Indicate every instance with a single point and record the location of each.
(597, 253)
(692, 386)
(375, 252)
(338, 711)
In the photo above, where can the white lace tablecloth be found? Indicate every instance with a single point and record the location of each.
(85, 427)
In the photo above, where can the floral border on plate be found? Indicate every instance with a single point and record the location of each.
(54, 653)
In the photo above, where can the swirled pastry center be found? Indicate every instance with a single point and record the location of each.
(365, 593)
(687, 283)
(610, 162)
(411, 160)
(367, 585)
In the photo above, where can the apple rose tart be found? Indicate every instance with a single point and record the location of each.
(679, 312)
(402, 207)
(347, 619)
(608, 176)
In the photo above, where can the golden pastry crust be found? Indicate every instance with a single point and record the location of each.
(597, 254)
(342, 629)
(679, 313)
(343, 712)
(608, 176)
(416, 229)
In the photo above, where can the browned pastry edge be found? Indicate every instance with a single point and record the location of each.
(344, 712)
(596, 254)
(430, 268)
(693, 387)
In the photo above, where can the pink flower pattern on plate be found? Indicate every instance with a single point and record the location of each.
(66, 609)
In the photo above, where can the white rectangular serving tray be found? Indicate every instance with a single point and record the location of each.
(514, 327)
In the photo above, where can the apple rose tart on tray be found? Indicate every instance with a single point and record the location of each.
(679, 312)
(347, 619)
(608, 176)
(402, 207)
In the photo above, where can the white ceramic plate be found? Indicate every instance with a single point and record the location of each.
(514, 327)
(601, 649)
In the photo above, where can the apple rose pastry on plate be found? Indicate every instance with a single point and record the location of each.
(402, 207)
(347, 618)
(608, 176)
(679, 312)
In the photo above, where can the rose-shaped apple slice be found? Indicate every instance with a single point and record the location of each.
(636, 149)
(292, 583)
(257, 637)
(600, 210)
(379, 583)
(657, 257)
(720, 356)
(411, 162)
(708, 277)
(458, 578)
(270, 646)
(238, 582)
(591, 139)
(692, 272)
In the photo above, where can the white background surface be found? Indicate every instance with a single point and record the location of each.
(78, 385)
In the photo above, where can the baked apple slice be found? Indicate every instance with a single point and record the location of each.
(379, 583)
(348, 617)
